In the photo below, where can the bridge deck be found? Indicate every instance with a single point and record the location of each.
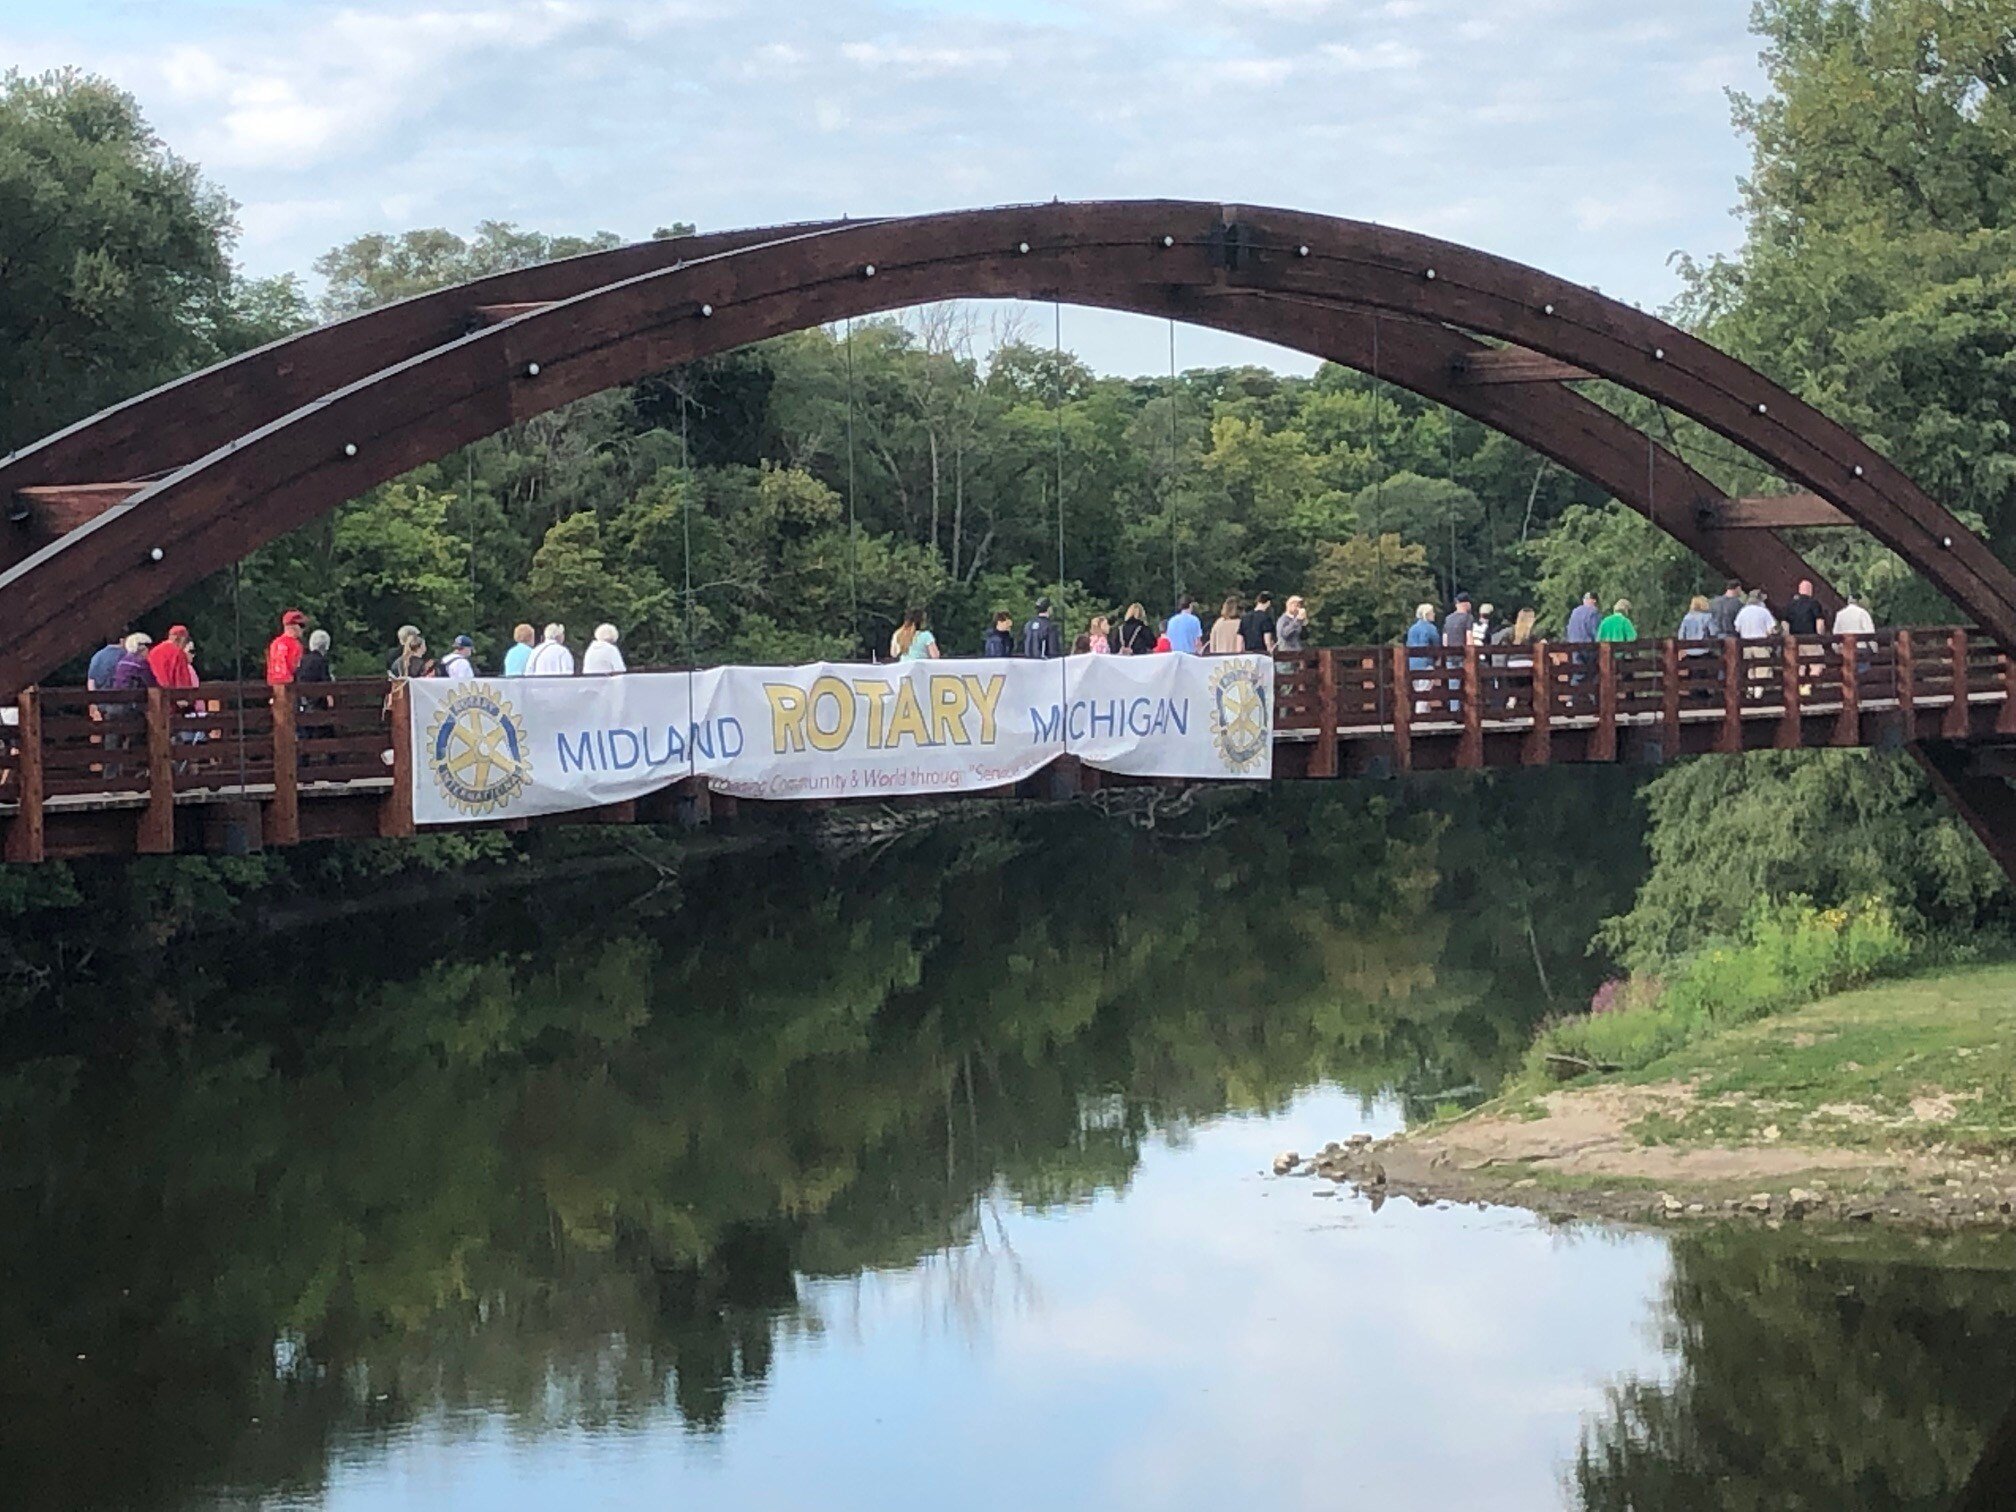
(231, 768)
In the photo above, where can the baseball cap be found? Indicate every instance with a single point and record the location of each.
(175, 630)
(1042, 604)
(463, 643)
(293, 617)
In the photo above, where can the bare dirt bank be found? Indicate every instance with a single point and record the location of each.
(1581, 1152)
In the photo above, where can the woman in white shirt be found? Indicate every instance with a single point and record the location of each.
(602, 657)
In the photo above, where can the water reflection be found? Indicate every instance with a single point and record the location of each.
(806, 1167)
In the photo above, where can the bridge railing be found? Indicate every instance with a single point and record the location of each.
(68, 749)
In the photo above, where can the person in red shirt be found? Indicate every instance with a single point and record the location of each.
(283, 652)
(170, 660)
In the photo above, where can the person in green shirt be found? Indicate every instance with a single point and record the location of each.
(1617, 624)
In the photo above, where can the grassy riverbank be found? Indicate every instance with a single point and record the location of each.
(1895, 1101)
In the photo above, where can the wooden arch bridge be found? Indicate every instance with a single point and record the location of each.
(110, 516)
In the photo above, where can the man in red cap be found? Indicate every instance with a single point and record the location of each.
(283, 652)
(170, 660)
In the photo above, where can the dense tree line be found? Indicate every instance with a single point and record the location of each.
(790, 500)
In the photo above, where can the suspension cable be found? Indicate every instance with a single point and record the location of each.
(1452, 503)
(1057, 415)
(686, 530)
(853, 541)
(1169, 479)
(469, 501)
(1378, 519)
(238, 662)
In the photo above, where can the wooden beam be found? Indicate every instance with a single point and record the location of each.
(1516, 365)
(1470, 748)
(1959, 715)
(1538, 748)
(155, 835)
(1603, 739)
(1735, 671)
(25, 837)
(1403, 712)
(57, 509)
(497, 314)
(1669, 703)
(283, 814)
(395, 810)
(1792, 511)
(1848, 726)
(1907, 685)
(1790, 734)
(1323, 760)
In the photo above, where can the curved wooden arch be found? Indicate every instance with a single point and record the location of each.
(300, 463)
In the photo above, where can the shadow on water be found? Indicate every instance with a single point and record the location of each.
(576, 1159)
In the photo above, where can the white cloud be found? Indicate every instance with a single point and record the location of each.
(1634, 208)
(1379, 57)
(925, 62)
(1530, 128)
(1260, 71)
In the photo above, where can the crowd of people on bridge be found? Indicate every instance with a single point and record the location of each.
(1736, 613)
(297, 654)
(1128, 632)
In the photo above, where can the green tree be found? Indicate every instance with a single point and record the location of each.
(115, 273)
(1363, 590)
(1832, 826)
(375, 269)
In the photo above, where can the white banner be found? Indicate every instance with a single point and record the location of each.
(547, 745)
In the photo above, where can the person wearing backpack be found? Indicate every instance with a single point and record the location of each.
(1042, 637)
(1001, 639)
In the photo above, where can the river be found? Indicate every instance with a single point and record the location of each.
(918, 1169)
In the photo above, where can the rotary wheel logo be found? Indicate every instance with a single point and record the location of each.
(1241, 727)
(476, 748)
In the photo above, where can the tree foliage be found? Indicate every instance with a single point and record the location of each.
(115, 266)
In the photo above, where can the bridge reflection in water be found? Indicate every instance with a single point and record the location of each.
(232, 768)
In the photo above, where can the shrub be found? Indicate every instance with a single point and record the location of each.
(1788, 953)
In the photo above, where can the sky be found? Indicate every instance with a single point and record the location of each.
(1588, 137)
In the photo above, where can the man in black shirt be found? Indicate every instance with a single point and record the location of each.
(1804, 614)
(1256, 629)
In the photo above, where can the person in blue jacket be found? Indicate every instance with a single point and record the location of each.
(1421, 635)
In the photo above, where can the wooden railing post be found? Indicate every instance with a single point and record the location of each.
(1539, 748)
(156, 833)
(1848, 725)
(2005, 720)
(1603, 739)
(1470, 749)
(1323, 760)
(283, 814)
(395, 813)
(1959, 713)
(1907, 686)
(1790, 729)
(1403, 712)
(25, 835)
(1669, 710)
(1729, 739)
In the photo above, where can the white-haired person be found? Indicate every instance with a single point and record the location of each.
(552, 658)
(1421, 636)
(602, 657)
